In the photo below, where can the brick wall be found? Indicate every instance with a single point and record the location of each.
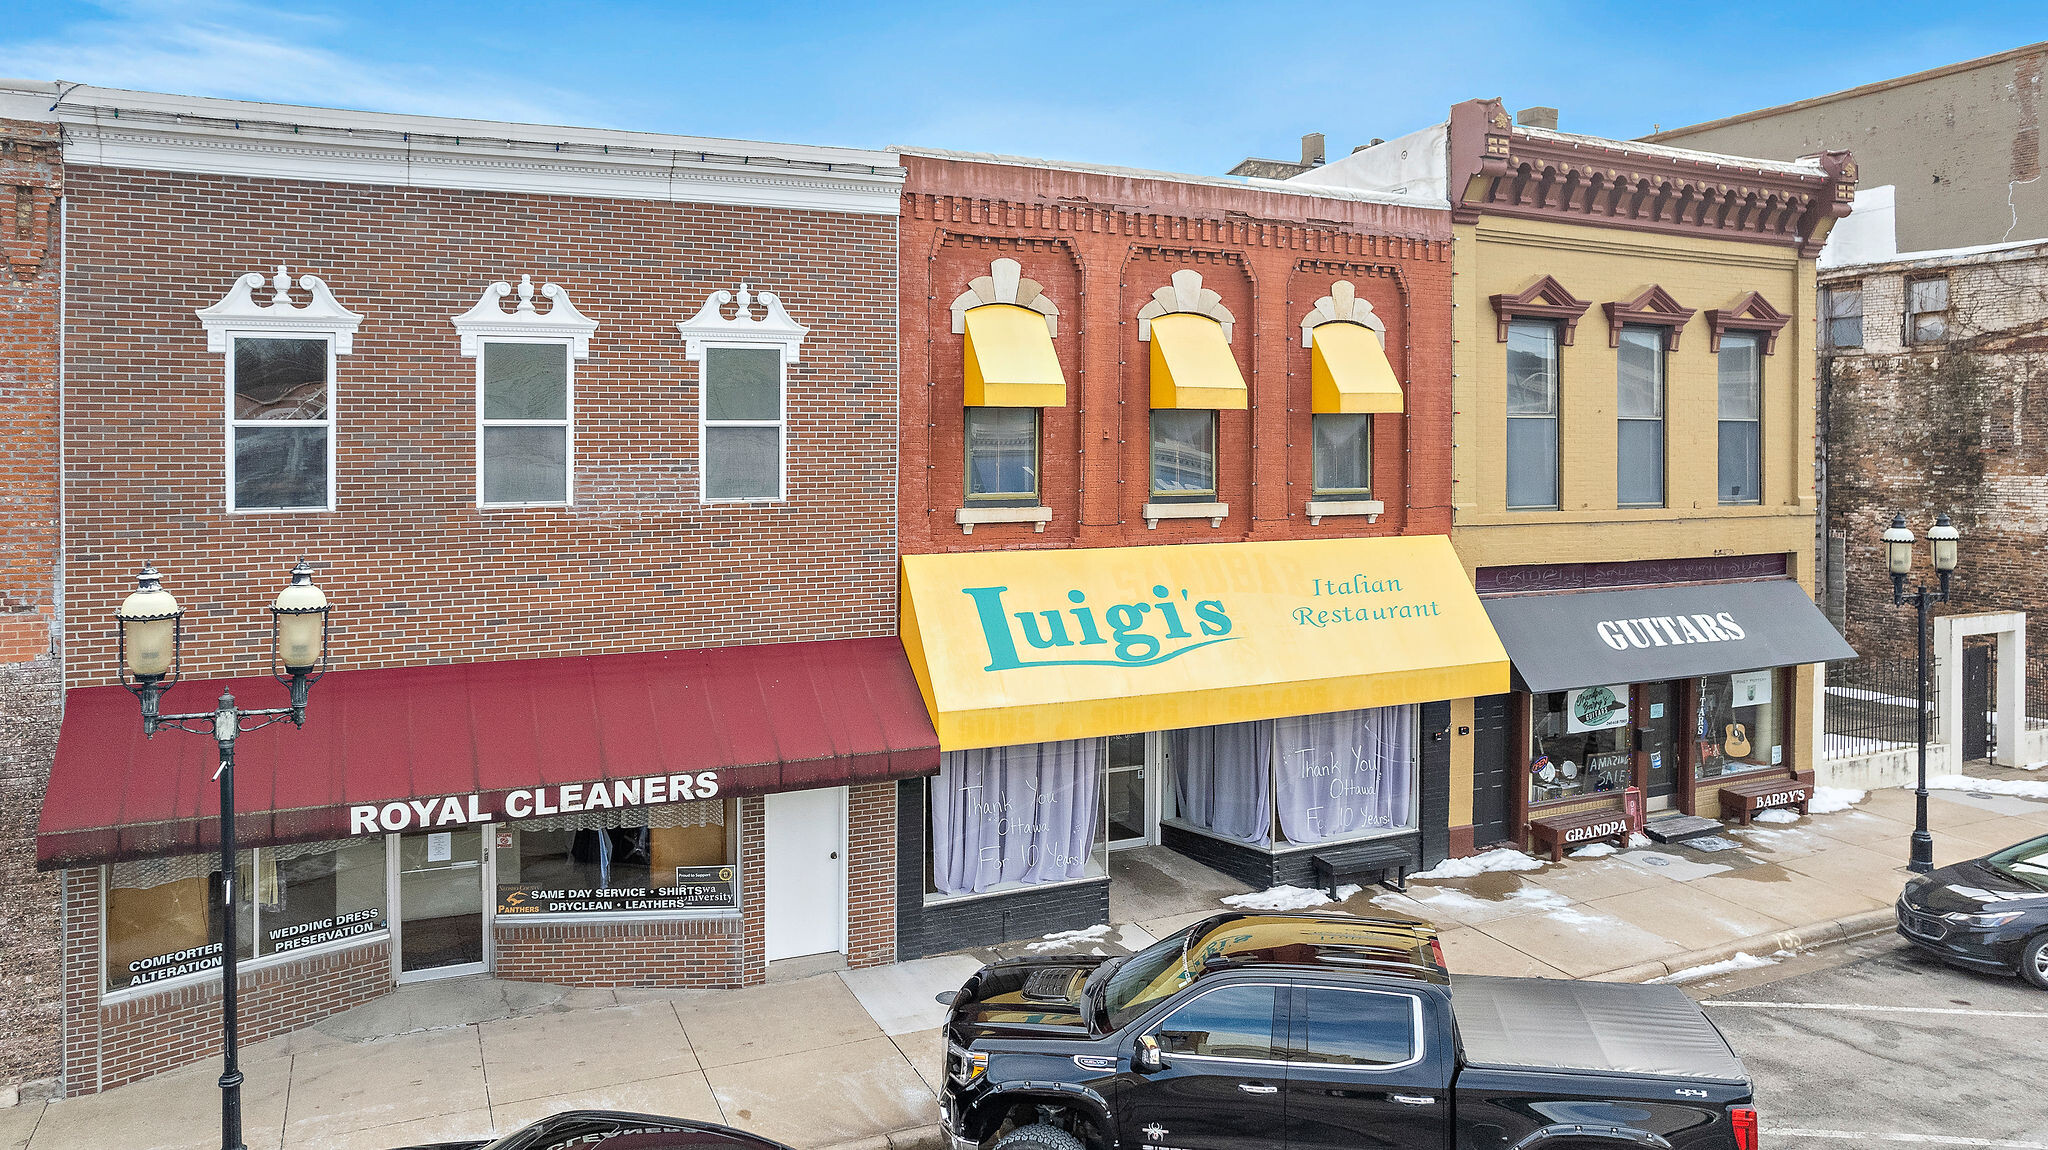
(31, 698)
(871, 875)
(1952, 426)
(1101, 245)
(107, 1044)
(417, 572)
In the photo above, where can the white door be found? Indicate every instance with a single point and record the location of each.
(806, 872)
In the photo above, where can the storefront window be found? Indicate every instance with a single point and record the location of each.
(1009, 817)
(163, 915)
(660, 859)
(1581, 743)
(1738, 725)
(1288, 782)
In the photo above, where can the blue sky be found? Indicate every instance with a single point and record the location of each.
(1193, 86)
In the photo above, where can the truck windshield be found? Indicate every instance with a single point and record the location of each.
(1146, 977)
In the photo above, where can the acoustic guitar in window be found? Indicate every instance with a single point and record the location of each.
(1736, 745)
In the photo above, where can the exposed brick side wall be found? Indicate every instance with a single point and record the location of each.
(1101, 245)
(1954, 426)
(109, 1044)
(418, 573)
(871, 875)
(31, 699)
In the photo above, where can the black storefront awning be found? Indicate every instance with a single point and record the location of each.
(1587, 638)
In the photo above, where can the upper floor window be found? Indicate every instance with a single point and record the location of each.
(1927, 309)
(280, 389)
(1002, 455)
(1350, 379)
(526, 393)
(1841, 311)
(1740, 366)
(1532, 445)
(1183, 452)
(1343, 455)
(743, 401)
(1639, 431)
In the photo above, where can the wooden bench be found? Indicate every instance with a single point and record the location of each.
(1560, 833)
(1743, 800)
(1366, 859)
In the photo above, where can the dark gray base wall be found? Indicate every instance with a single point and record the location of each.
(1261, 869)
(997, 918)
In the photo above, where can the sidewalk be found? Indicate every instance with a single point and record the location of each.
(851, 1057)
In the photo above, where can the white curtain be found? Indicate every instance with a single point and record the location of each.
(1024, 814)
(1343, 774)
(1222, 780)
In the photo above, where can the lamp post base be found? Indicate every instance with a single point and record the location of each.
(1923, 853)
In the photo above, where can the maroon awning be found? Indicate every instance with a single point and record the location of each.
(783, 717)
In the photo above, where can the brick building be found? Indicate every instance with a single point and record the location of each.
(31, 696)
(1633, 472)
(1175, 484)
(589, 436)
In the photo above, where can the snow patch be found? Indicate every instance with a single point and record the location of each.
(1288, 898)
(1499, 859)
(1776, 815)
(1595, 851)
(2017, 788)
(1828, 800)
(1741, 961)
(1067, 938)
(2035, 766)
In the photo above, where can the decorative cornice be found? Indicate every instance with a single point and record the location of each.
(239, 311)
(1544, 299)
(489, 318)
(774, 329)
(1653, 307)
(1342, 305)
(977, 215)
(1184, 294)
(1005, 283)
(1751, 313)
(1498, 168)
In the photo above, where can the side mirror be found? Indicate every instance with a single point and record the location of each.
(1145, 1058)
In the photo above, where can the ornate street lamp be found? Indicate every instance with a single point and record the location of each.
(1898, 544)
(152, 629)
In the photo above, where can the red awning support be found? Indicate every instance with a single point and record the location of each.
(755, 720)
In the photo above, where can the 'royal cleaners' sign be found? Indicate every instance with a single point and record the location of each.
(529, 802)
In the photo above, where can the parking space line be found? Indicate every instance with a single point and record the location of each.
(1852, 1006)
(1919, 1139)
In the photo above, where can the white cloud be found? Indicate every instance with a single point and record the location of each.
(240, 51)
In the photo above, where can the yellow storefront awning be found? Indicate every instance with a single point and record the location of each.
(1017, 647)
(1192, 365)
(1010, 359)
(1351, 372)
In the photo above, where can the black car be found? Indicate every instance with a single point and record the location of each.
(615, 1130)
(1988, 914)
(1327, 1032)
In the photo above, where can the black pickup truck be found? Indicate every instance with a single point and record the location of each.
(1321, 1032)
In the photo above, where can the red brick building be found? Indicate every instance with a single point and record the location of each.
(589, 436)
(1100, 358)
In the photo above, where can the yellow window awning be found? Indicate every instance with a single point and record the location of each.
(1010, 359)
(1192, 365)
(1032, 646)
(1351, 372)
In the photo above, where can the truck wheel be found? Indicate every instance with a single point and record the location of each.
(2033, 962)
(1038, 1136)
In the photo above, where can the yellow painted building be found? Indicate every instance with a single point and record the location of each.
(1634, 468)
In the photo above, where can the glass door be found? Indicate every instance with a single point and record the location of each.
(1128, 794)
(1658, 731)
(441, 923)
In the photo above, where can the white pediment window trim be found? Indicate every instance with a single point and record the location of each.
(1184, 294)
(1005, 283)
(1342, 305)
(710, 328)
(240, 311)
(488, 319)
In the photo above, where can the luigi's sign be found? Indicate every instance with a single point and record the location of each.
(1595, 708)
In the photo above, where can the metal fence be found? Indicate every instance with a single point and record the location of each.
(1869, 706)
(2037, 702)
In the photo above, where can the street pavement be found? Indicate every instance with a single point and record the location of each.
(850, 1059)
(1888, 1047)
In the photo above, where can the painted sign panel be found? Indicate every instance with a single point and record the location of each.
(1595, 708)
(696, 888)
(1034, 646)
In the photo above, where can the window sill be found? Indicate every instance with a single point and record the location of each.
(1372, 509)
(970, 517)
(1213, 512)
